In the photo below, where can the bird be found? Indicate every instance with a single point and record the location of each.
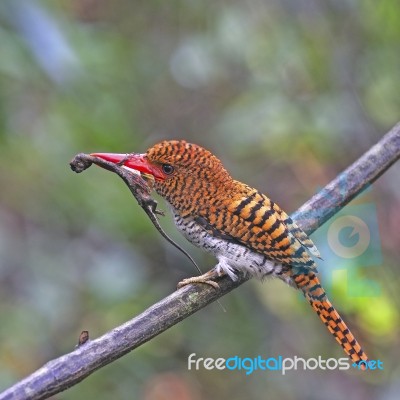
(243, 228)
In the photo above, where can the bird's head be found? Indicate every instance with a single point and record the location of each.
(183, 173)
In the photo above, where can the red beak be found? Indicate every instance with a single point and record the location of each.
(138, 162)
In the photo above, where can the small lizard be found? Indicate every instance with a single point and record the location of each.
(139, 187)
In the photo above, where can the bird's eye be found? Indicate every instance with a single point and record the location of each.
(168, 169)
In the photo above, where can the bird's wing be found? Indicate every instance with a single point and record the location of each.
(258, 223)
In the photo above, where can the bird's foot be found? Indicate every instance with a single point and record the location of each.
(206, 278)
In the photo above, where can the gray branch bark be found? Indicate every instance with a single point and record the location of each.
(66, 371)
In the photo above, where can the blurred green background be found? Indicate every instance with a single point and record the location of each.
(287, 93)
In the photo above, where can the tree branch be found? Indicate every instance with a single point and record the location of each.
(66, 371)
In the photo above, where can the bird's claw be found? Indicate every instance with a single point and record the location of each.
(206, 278)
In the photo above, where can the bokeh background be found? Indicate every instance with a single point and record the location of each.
(287, 93)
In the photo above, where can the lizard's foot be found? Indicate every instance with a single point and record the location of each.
(206, 278)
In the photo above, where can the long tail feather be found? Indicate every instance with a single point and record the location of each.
(315, 294)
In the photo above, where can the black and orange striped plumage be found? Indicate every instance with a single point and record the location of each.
(242, 227)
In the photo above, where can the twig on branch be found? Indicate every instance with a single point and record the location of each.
(66, 371)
